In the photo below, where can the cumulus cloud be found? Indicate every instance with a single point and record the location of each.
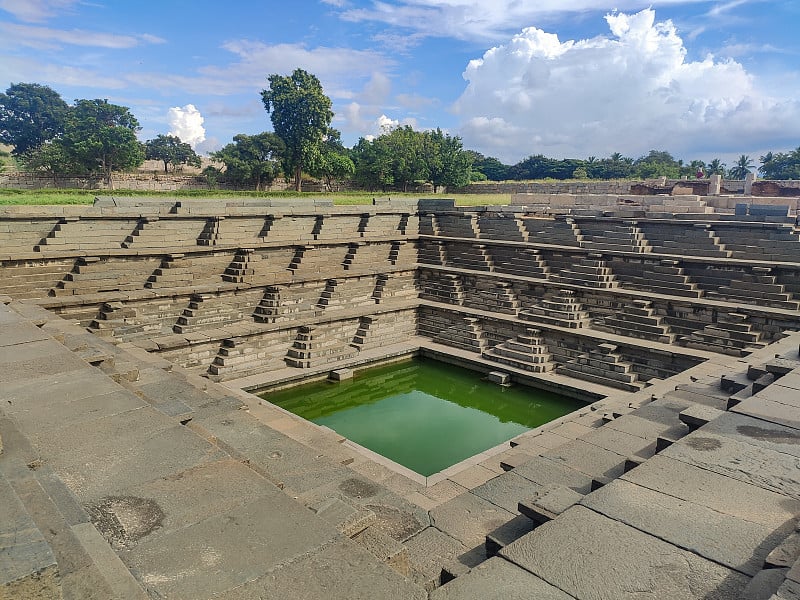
(187, 123)
(629, 92)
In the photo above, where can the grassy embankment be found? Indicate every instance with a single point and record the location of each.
(64, 196)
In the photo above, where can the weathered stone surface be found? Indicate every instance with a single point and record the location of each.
(346, 518)
(620, 442)
(730, 541)
(228, 549)
(428, 552)
(468, 518)
(154, 508)
(745, 429)
(498, 579)
(718, 492)
(96, 458)
(591, 556)
(588, 458)
(506, 490)
(549, 502)
(761, 467)
(786, 553)
(25, 362)
(545, 471)
(647, 428)
(338, 570)
(507, 533)
(764, 584)
(386, 549)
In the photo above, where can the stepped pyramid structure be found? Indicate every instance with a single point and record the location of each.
(561, 309)
(527, 351)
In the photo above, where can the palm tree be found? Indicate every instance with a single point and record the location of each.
(742, 167)
(616, 157)
(716, 167)
(766, 163)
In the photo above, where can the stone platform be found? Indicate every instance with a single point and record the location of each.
(134, 465)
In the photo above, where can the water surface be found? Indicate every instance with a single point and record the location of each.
(423, 414)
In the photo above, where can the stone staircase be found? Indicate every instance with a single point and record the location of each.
(442, 287)
(527, 351)
(603, 365)
(658, 276)
(618, 237)
(464, 334)
(72, 233)
(495, 296)
(431, 252)
(560, 232)
(463, 226)
(696, 239)
(475, 257)
(732, 334)
(499, 226)
(240, 357)
(525, 262)
(637, 319)
(590, 271)
(760, 287)
(562, 309)
(319, 345)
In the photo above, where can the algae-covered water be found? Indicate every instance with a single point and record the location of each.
(422, 414)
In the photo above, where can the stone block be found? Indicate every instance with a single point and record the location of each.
(549, 502)
(621, 561)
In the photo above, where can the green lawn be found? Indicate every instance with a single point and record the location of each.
(62, 196)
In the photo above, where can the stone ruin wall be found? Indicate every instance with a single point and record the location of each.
(574, 303)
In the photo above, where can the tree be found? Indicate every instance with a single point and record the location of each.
(716, 167)
(334, 162)
(30, 115)
(489, 166)
(252, 159)
(301, 114)
(658, 163)
(447, 163)
(781, 165)
(50, 158)
(171, 151)
(373, 162)
(741, 168)
(101, 137)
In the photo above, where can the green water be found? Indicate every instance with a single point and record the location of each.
(424, 415)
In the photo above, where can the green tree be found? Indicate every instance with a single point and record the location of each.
(373, 162)
(301, 114)
(252, 159)
(334, 162)
(491, 167)
(171, 151)
(101, 137)
(658, 163)
(742, 167)
(716, 167)
(51, 158)
(446, 161)
(30, 115)
(781, 165)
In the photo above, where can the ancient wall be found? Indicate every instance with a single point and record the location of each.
(233, 288)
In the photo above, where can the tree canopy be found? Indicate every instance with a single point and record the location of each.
(30, 115)
(171, 151)
(781, 165)
(101, 137)
(301, 115)
(252, 159)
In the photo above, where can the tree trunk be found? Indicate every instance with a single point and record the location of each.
(165, 167)
(298, 179)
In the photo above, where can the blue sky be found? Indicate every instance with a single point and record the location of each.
(577, 78)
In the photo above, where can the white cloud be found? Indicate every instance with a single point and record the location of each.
(629, 92)
(481, 20)
(35, 10)
(187, 123)
(45, 37)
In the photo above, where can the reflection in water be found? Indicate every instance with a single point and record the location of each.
(425, 415)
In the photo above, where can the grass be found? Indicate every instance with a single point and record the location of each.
(71, 196)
